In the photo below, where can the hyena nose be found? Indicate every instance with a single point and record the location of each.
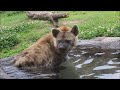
(62, 47)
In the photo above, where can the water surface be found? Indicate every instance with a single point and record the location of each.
(85, 62)
(90, 62)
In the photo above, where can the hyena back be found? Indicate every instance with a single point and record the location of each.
(49, 51)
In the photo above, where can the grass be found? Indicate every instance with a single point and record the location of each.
(18, 32)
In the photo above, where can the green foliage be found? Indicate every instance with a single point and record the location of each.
(8, 40)
(10, 13)
(9, 36)
(111, 31)
(17, 31)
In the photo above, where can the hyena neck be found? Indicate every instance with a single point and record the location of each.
(62, 56)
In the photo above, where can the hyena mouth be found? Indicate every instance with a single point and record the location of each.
(63, 51)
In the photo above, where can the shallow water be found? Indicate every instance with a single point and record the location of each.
(85, 62)
(92, 63)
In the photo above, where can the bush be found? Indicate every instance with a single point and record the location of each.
(99, 31)
(8, 40)
(10, 13)
(9, 35)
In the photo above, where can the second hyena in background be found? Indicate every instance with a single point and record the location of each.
(51, 50)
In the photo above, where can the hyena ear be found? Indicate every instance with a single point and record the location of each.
(75, 30)
(55, 32)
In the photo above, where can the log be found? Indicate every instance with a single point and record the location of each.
(46, 15)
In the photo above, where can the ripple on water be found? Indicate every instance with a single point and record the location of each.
(109, 76)
(86, 62)
(77, 55)
(77, 61)
(82, 76)
(99, 53)
(118, 71)
(104, 67)
(83, 52)
(117, 52)
(112, 61)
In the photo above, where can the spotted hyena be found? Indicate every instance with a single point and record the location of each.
(49, 51)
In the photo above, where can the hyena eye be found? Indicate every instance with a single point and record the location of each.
(62, 41)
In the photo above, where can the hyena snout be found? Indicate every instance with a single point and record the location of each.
(64, 47)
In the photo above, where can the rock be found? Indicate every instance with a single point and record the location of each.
(103, 42)
(3, 75)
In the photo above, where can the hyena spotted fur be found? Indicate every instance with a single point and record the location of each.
(49, 51)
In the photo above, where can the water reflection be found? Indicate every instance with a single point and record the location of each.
(94, 63)
(109, 76)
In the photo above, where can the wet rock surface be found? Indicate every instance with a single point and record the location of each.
(8, 71)
(103, 42)
(97, 58)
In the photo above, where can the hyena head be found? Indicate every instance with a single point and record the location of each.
(65, 38)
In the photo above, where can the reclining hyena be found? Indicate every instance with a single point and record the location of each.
(51, 50)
